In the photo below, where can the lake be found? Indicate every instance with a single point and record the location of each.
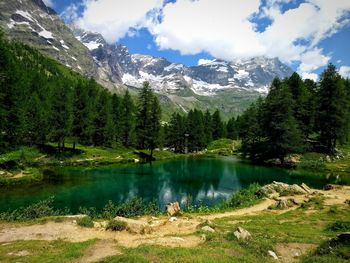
(207, 181)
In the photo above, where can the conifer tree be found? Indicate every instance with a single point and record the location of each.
(332, 109)
(217, 126)
(208, 127)
(127, 120)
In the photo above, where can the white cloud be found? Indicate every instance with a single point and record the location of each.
(312, 76)
(114, 18)
(203, 61)
(224, 28)
(312, 60)
(344, 71)
(48, 3)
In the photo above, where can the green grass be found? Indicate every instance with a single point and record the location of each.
(42, 251)
(223, 147)
(85, 221)
(312, 224)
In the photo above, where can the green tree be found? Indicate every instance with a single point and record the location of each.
(332, 109)
(143, 121)
(61, 113)
(217, 126)
(155, 126)
(127, 120)
(82, 115)
(280, 126)
(208, 127)
(195, 130)
(176, 133)
(103, 123)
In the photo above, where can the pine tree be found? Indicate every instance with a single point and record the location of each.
(104, 126)
(116, 111)
(280, 126)
(127, 121)
(208, 127)
(82, 115)
(61, 113)
(231, 129)
(301, 97)
(195, 130)
(155, 126)
(143, 120)
(176, 133)
(332, 108)
(217, 126)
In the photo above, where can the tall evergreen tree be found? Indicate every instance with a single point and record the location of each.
(176, 133)
(208, 127)
(217, 126)
(82, 115)
(61, 113)
(332, 108)
(104, 127)
(143, 122)
(127, 120)
(280, 126)
(155, 126)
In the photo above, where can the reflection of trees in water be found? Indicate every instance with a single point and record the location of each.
(203, 179)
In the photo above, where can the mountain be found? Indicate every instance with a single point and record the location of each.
(31, 22)
(208, 79)
(227, 85)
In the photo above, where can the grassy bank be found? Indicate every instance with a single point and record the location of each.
(26, 165)
(304, 234)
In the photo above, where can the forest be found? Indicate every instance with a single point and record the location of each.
(42, 101)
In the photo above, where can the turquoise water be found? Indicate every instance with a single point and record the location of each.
(208, 181)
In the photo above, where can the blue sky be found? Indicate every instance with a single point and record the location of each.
(306, 35)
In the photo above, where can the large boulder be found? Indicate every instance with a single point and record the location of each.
(278, 188)
(283, 204)
(242, 234)
(135, 226)
(173, 209)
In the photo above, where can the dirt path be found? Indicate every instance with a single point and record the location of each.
(180, 233)
(100, 250)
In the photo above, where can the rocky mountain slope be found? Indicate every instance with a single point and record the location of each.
(31, 22)
(229, 86)
(207, 79)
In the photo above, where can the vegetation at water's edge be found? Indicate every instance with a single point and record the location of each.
(132, 208)
(312, 227)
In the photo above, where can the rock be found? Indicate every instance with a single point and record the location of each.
(172, 219)
(2, 172)
(272, 254)
(135, 226)
(329, 187)
(136, 160)
(284, 204)
(242, 234)
(347, 201)
(306, 188)
(281, 188)
(208, 229)
(203, 238)
(328, 159)
(173, 209)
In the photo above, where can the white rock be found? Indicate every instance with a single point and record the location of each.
(172, 219)
(208, 229)
(272, 254)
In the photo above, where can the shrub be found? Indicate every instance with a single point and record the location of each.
(339, 226)
(85, 221)
(136, 207)
(41, 209)
(110, 210)
(116, 225)
(244, 197)
(89, 211)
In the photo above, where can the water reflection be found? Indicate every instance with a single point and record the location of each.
(205, 180)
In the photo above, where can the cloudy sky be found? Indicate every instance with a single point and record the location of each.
(306, 35)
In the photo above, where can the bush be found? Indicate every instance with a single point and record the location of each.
(136, 207)
(339, 226)
(85, 221)
(89, 211)
(245, 197)
(41, 209)
(116, 225)
(110, 210)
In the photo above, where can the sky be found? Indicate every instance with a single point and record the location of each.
(306, 35)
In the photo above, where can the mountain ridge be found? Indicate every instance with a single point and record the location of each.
(228, 86)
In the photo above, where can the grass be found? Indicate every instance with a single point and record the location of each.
(339, 168)
(315, 223)
(223, 147)
(116, 225)
(42, 251)
(85, 221)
